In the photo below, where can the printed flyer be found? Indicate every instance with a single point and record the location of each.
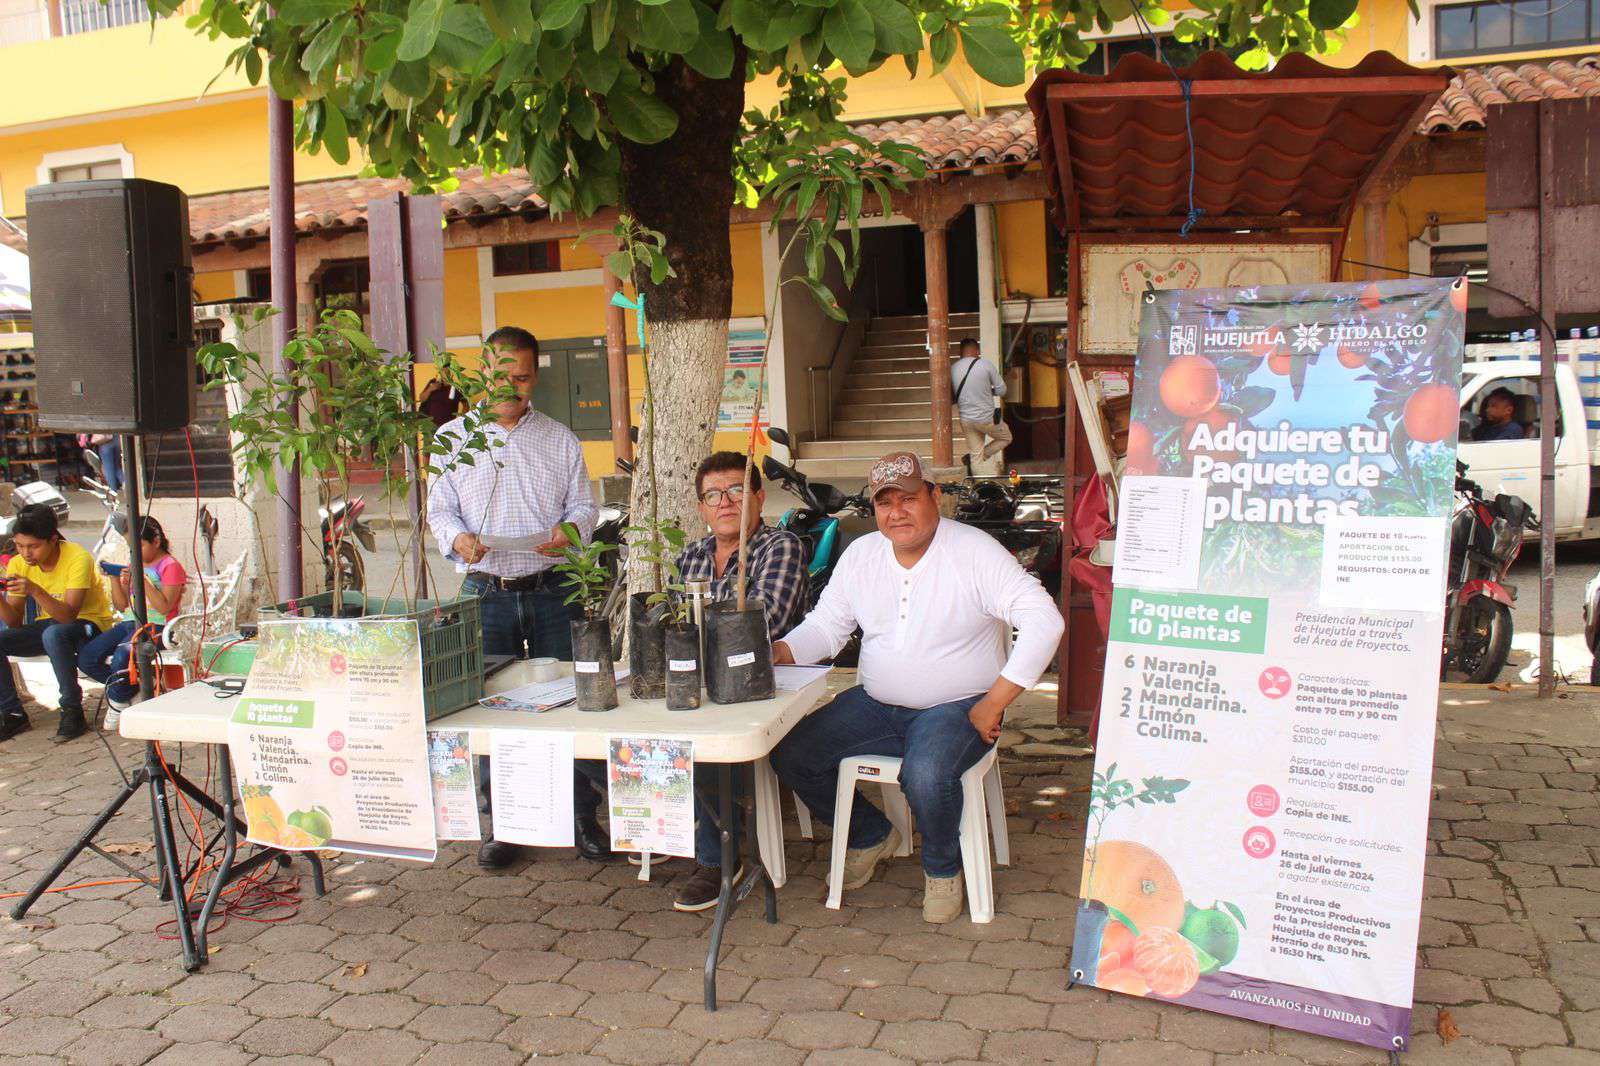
(328, 740)
(1258, 813)
(455, 795)
(651, 795)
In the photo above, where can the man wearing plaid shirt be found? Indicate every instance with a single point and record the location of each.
(531, 480)
(775, 575)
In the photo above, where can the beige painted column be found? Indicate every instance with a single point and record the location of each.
(934, 245)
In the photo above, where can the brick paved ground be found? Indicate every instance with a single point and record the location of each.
(561, 959)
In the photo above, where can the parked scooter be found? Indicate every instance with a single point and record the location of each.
(817, 521)
(1485, 539)
(341, 520)
(111, 546)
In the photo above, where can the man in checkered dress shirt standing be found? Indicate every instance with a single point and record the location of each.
(775, 577)
(531, 479)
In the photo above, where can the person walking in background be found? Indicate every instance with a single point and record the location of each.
(105, 658)
(976, 384)
(109, 449)
(530, 480)
(59, 578)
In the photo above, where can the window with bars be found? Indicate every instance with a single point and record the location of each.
(108, 168)
(1492, 26)
(537, 257)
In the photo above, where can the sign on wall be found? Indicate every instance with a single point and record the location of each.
(1258, 811)
(1116, 277)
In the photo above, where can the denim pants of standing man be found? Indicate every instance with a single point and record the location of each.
(529, 625)
(936, 746)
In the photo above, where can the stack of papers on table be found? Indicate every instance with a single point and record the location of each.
(541, 695)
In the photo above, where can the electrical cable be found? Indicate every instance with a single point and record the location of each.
(1188, 116)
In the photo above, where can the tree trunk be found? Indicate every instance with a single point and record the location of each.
(683, 188)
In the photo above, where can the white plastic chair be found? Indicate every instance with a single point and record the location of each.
(215, 615)
(982, 809)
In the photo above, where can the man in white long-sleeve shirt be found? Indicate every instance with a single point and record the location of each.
(974, 384)
(932, 598)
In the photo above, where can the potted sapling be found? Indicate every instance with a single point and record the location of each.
(681, 640)
(658, 544)
(583, 566)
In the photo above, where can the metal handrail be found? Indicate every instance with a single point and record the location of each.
(857, 298)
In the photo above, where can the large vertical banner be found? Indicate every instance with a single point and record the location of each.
(1258, 813)
(329, 739)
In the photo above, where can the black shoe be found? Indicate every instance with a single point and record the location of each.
(12, 724)
(593, 842)
(701, 890)
(497, 854)
(72, 725)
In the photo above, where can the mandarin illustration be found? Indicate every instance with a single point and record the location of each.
(1190, 386)
(1134, 880)
(1126, 980)
(1168, 961)
(1371, 298)
(1458, 296)
(262, 812)
(1116, 946)
(1432, 413)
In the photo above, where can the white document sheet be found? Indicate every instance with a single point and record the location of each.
(1385, 562)
(795, 678)
(1159, 526)
(517, 544)
(532, 787)
(538, 696)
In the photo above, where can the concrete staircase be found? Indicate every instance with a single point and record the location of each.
(885, 402)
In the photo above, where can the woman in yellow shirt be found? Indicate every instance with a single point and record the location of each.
(59, 577)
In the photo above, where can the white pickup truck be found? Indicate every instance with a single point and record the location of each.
(1512, 465)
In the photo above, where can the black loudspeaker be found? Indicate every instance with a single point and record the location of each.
(113, 306)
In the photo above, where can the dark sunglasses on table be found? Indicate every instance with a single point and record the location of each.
(714, 497)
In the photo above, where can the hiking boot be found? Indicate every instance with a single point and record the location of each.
(941, 899)
(12, 724)
(497, 854)
(861, 863)
(701, 889)
(72, 725)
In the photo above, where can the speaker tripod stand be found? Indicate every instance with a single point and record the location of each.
(154, 775)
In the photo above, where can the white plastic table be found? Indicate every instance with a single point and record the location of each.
(723, 734)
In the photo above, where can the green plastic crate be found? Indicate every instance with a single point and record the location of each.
(452, 641)
(229, 656)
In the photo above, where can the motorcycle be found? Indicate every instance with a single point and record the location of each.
(112, 544)
(341, 519)
(1486, 537)
(816, 522)
(25, 495)
(1023, 514)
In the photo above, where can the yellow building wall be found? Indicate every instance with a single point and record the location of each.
(1022, 248)
(1454, 198)
(213, 285)
(211, 148)
(462, 315)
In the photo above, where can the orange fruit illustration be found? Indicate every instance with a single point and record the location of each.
(1458, 295)
(1168, 961)
(625, 754)
(262, 812)
(1216, 419)
(1351, 359)
(1140, 441)
(1134, 880)
(1126, 980)
(1432, 413)
(1189, 386)
(1116, 946)
(1278, 362)
(1371, 298)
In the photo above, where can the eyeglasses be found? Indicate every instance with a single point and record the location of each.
(714, 497)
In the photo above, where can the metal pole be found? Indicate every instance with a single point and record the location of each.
(1547, 407)
(280, 151)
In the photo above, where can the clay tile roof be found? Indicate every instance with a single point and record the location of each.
(1464, 105)
(960, 141)
(1293, 143)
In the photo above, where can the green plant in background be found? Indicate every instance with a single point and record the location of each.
(1109, 793)
(340, 399)
(583, 566)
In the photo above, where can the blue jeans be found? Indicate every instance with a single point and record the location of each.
(708, 803)
(105, 659)
(111, 462)
(529, 625)
(60, 641)
(936, 746)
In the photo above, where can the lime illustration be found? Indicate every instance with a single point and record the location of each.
(314, 823)
(1215, 931)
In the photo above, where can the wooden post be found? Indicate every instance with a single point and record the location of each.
(1548, 306)
(1375, 230)
(934, 233)
(617, 369)
(54, 8)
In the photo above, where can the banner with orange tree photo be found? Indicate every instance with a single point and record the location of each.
(1258, 812)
